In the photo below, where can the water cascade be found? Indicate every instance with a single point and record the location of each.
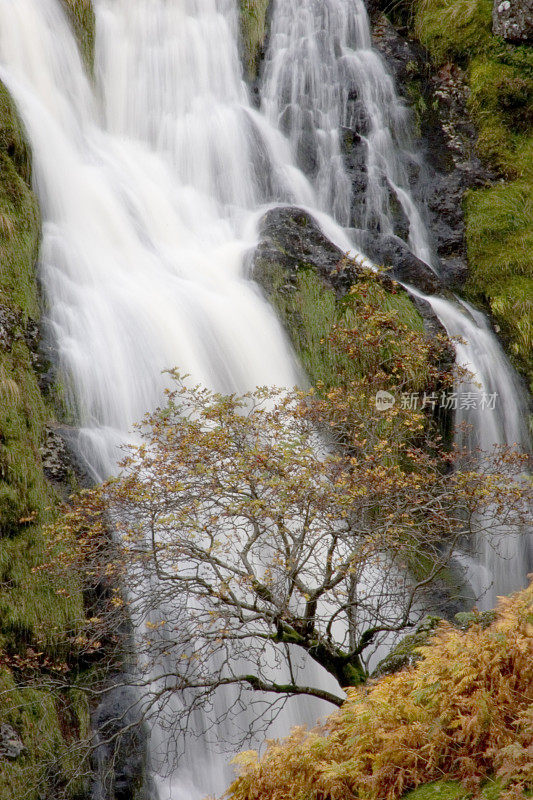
(150, 181)
(322, 77)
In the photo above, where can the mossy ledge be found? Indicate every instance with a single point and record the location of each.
(81, 14)
(35, 611)
(254, 29)
(499, 229)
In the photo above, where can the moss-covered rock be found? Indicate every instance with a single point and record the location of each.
(81, 14)
(499, 227)
(308, 280)
(254, 30)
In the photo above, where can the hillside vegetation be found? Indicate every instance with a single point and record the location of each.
(461, 717)
(499, 218)
(35, 610)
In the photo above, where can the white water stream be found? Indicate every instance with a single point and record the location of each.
(150, 182)
(321, 76)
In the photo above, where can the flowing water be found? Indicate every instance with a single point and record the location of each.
(149, 184)
(150, 180)
(322, 77)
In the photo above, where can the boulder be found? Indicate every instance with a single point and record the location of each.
(406, 653)
(291, 240)
(392, 253)
(11, 745)
(513, 20)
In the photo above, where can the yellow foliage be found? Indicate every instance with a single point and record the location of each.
(464, 712)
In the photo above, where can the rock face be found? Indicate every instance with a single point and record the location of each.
(447, 139)
(63, 468)
(120, 757)
(11, 745)
(290, 239)
(393, 253)
(513, 20)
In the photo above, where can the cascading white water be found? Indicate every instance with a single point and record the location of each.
(149, 185)
(321, 75)
(491, 411)
(145, 216)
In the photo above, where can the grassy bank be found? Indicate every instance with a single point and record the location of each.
(35, 611)
(499, 225)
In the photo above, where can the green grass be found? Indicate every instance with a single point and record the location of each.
(499, 227)
(451, 790)
(53, 731)
(35, 610)
(453, 30)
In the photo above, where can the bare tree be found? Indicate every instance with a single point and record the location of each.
(251, 549)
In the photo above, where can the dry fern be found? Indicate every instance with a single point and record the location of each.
(464, 712)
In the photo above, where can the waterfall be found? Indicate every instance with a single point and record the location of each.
(150, 181)
(322, 77)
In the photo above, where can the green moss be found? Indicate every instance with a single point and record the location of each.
(500, 253)
(453, 30)
(81, 14)
(440, 790)
(54, 763)
(36, 612)
(499, 227)
(253, 27)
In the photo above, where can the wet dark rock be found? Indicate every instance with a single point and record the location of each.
(354, 154)
(392, 252)
(120, 754)
(291, 240)
(513, 20)
(446, 138)
(11, 745)
(433, 327)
